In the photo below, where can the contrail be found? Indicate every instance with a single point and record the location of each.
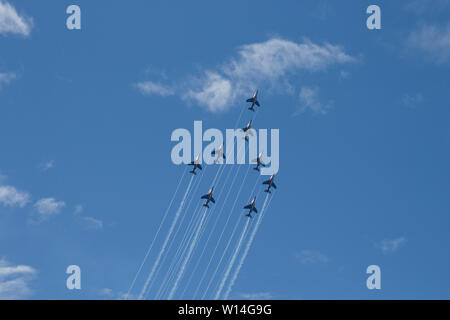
(188, 256)
(186, 239)
(220, 238)
(177, 256)
(154, 238)
(228, 243)
(166, 240)
(247, 248)
(183, 244)
(210, 234)
(172, 264)
(230, 265)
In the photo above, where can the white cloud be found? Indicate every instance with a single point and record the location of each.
(109, 293)
(47, 165)
(391, 245)
(215, 92)
(14, 280)
(3, 178)
(10, 196)
(6, 78)
(153, 88)
(79, 208)
(344, 74)
(309, 100)
(106, 292)
(311, 257)
(256, 296)
(12, 22)
(422, 7)
(433, 40)
(412, 100)
(262, 64)
(92, 223)
(48, 207)
(268, 64)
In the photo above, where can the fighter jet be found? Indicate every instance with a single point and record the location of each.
(219, 154)
(251, 208)
(270, 183)
(196, 165)
(254, 101)
(208, 198)
(247, 130)
(259, 162)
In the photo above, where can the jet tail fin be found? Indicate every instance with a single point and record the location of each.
(249, 215)
(267, 190)
(205, 205)
(193, 172)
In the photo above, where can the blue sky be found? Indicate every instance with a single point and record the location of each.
(86, 117)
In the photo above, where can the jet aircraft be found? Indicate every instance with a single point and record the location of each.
(208, 198)
(254, 101)
(251, 208)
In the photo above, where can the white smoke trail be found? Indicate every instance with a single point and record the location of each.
(217, 216)
(230, 265)
(156, 235)
(229, 240)
(188, 256)
(182, 248)
(247, 248)
(176, 256)
(166, 240)
(228, 243)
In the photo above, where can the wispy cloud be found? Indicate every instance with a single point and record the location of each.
(256, 296)
(47, 165)
(311, 257)
(3, 178)
(268, 64)
(262, 64)
(48, 207)
(309, 100)
(6, 78)
(390, 245)
(412, 100)
(344, 74)
(79, 208)
(11, 197)
(214, 92)
(153, 88)
(109, 293)
(13, 23)
(433, 41)
(422, 7)
(92, 223)
(15, 280)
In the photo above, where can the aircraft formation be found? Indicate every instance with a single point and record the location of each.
(219, 153)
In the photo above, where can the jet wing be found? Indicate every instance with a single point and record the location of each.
(257, 103)
(205, 196)
(274, 185)
(254, 209)
(212, 200)
(250, 100)
(266, 182)
(199, 166)
(248, 207)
